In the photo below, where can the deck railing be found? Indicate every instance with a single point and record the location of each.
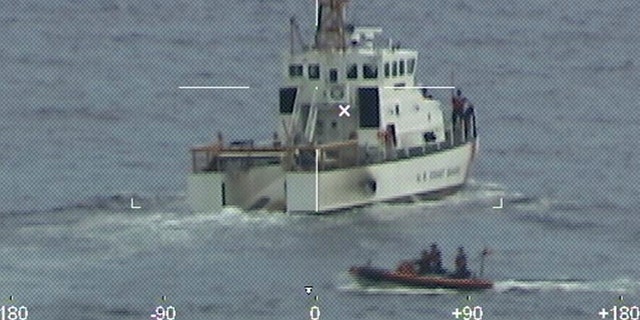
(331, 156)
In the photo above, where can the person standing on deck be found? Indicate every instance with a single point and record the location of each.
(461, 265)
(436, 260)
(467, 115)
(458, 102)
(424, 263)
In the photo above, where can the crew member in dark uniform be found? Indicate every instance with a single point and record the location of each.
(461, 265)
(436, 260)
(458, 102)
(424, 263)
(468, 116)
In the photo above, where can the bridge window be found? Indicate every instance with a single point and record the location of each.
(352, 72)
(314, 71)
(386, 70)
(394, 69)
(401, 71)
(333, 75)
(370, 71)
(295, 70)
(411, 64)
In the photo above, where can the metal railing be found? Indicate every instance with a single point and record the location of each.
(331, 156)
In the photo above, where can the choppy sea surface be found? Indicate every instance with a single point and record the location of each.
(91, 116)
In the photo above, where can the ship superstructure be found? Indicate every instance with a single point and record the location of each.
(354, 130)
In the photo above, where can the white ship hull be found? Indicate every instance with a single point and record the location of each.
(271, 188)
(351, 106)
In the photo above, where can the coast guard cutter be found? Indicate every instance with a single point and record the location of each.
(354, 130)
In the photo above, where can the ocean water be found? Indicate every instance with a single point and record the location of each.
(92, 116)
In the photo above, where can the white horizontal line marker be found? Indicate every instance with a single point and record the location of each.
(317, 9)
(213, 87)
(423, 87)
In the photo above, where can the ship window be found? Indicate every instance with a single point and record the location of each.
(370, 71)
(287, 99)
(397, 109)
(333, 75)
(352, 72)
(394, 69)
(411, 64)
(386, 70)
(314, 71)
(295, 70)
(401, 71)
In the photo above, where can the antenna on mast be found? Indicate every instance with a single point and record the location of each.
(330, 32)
(295, 36)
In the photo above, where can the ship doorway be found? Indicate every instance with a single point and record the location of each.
(224, 195)
(391, 130)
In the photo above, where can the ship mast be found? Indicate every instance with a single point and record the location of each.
(330, 33)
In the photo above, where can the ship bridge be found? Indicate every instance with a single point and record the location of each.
(346, 68)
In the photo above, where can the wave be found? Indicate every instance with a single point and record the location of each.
(122, 201)
(115, 202)
(568, 285)
(488, 194)
(476, 194)
(557, 222)
(561, 214)
(124, 312)
(485, 194)
(99, 114)
(158, 212)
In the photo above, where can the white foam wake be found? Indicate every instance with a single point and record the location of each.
(615, 286)
(355, 288)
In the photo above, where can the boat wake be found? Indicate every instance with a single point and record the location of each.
(472, 194)
(531, 286)
(476, 194)
(357, 289)
(619, 286)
